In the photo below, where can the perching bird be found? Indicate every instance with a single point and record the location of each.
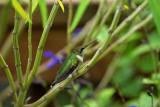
(71, 63)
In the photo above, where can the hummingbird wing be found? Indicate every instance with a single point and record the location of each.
(67, 68)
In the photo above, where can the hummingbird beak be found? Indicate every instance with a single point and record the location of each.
(88, 44)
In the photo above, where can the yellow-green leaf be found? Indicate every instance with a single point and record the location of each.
(34, 5)
(61, 5)
(44, 11)
(154, 6)
(20, 10)
(79, 13)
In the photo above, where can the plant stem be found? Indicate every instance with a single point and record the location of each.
(48, 96)
(21, 98)
(74, 41)
(42, 43)
(104, 19)
(7, 45)
(135, 28)
(9, 76)
(29, 44)
(42, 68)
(96, 20)
(111, 69)
(39, 52)
(108, 38)
(22, 93)
(130, 18)
(125, 23)
(70, 8)
(51, 93)
(16, 49)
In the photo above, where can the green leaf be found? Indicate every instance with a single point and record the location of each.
(106, 94)
(145, 100)
(146, 64)
(127, 89)
(153, 38)
(123, 75)
(155, 8)
(4, 20)
(140, 50)
(43, 9)
(70, 105)
(79, 13)
(102, 33)
(20, 10)
(149, 81)
(61, 5)
(34, 5)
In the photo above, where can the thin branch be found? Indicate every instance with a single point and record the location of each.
(124, 23)
(9, 76)
(22, 93)
(96, 20)
(16, 49)
(135, 28)
(29, 44)
(42, 43)
(70, 8)
(104, 19)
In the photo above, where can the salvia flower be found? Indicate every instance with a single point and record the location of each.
(132, 106)
(76, 32)
(55, 59)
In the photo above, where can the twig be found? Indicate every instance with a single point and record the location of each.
(42, 43)
(9, 76)
(7, 45)
(135, 28)
(16, 49)
(70, 8)
(29, 43)
(22, 93)
(109, 72)
(104, 19)
(96, 20)
(130, 18)
(125, 23)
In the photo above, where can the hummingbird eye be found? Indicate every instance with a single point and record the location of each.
(81, 50)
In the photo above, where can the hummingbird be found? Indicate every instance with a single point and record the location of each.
(73, 62)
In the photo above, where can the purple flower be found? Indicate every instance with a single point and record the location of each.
(76, 31)
(132, 106)
(55, 59)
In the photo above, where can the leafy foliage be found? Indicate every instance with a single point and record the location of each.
(154, 6)
(79, 13)
(20, 10)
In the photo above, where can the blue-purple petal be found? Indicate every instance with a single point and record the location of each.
(51, 64)
(77, 31)
(55, 59)
(48, 54)
(132, 106)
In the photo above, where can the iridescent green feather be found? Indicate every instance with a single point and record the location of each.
(71, 60)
